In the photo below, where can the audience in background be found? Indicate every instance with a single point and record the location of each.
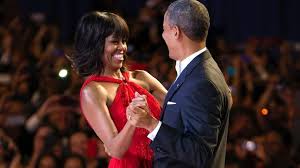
(40, 120)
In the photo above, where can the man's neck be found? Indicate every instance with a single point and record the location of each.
(190, 48)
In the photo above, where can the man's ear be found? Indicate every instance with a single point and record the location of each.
(177, 32)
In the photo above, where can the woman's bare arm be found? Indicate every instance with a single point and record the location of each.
(95, 110)
(156, 88)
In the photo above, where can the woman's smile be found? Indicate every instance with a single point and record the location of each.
(119, 57)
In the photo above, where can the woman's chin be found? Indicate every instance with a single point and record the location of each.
(118, 66)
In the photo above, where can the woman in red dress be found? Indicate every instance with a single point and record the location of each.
(100, 49)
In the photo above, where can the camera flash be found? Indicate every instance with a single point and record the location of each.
(250, 145)
(63, 73)
(264, 111)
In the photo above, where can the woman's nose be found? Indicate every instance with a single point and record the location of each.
(122, 46)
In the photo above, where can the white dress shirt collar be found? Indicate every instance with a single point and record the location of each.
(180, 65)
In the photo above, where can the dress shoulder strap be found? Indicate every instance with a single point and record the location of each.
(99, 78)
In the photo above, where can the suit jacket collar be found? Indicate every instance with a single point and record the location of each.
(176, 85)
(180, 65)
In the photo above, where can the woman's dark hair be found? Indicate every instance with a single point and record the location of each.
(90, 36)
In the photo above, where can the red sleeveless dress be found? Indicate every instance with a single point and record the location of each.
(139, 154)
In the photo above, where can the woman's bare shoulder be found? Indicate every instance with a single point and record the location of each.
(139, 74)
(94, 89)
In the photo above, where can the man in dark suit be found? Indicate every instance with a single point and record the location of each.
(194, 120)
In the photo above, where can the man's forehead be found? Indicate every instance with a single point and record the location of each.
(166, 16)
(165, 22)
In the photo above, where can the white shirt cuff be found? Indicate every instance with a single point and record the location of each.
(152, 134)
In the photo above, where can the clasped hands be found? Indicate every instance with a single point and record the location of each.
(138, 113)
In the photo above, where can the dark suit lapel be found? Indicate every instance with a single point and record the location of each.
(176, 85)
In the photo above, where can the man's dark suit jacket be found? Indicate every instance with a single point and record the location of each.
(194, 130)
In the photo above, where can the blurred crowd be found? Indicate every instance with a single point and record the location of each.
(41, 125)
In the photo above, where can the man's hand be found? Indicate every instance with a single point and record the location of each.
(138, 113)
